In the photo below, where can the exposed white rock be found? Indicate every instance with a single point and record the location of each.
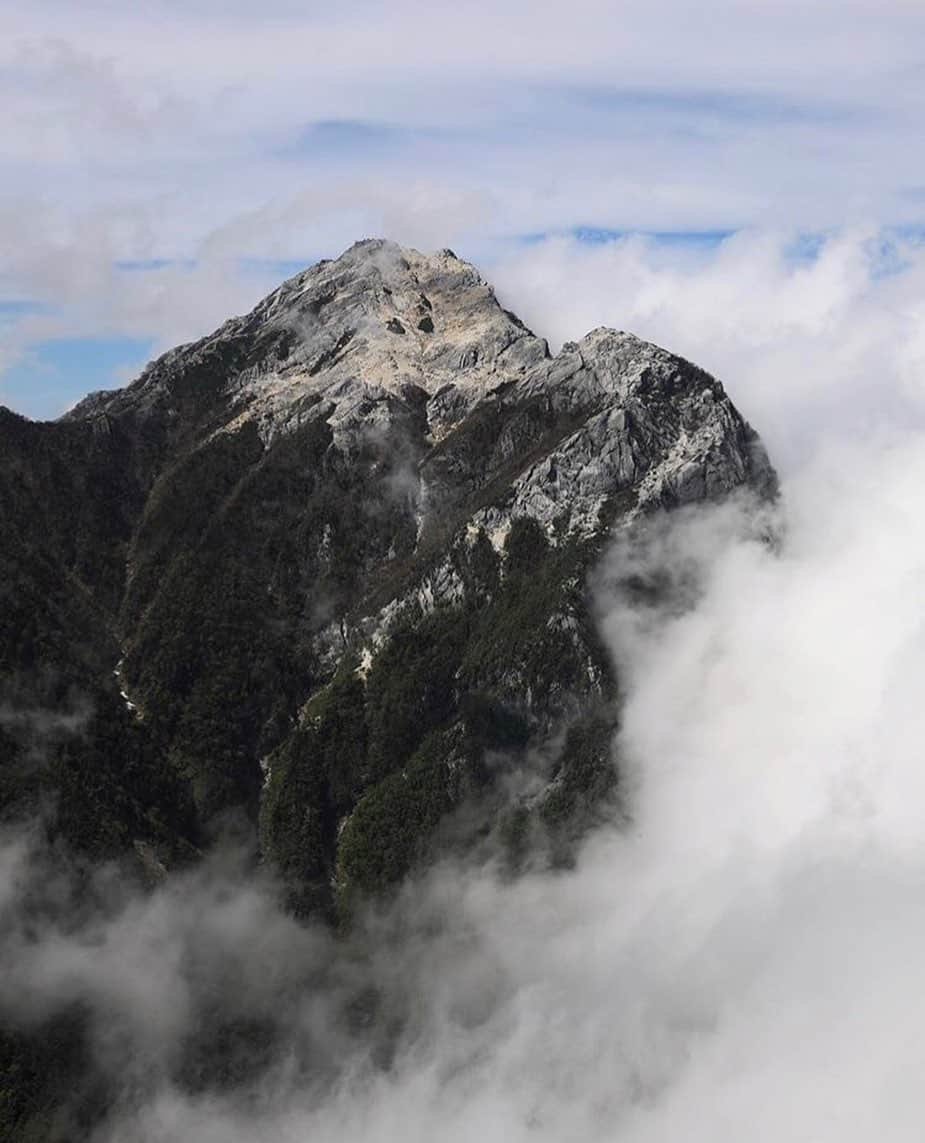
(372, 324)
(120, 682)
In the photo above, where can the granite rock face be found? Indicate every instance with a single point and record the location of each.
(327, 566)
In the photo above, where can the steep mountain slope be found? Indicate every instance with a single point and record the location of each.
(325, 572)
(335, 554)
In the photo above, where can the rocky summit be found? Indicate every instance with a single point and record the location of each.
(324, 571)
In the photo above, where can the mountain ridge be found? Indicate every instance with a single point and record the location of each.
(346, 461)
(321, 583)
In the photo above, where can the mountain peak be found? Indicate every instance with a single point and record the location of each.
(389, 285)
(334, 557)
(377, 320)
(385, 336)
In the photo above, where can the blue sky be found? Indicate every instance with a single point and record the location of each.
(167, 164)
(55, 373)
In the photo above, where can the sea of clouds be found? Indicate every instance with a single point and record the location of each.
(744, 957)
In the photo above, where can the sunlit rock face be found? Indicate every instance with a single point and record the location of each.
(326, 569)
